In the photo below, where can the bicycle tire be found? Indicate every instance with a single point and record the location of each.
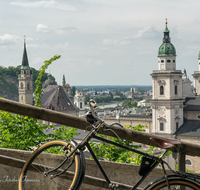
(33, 172)
(176, 183)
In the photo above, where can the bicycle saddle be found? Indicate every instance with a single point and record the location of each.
(165, 143)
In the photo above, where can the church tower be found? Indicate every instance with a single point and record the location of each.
(196, 80)
(25, 80)
(167, 100)
(63, 81)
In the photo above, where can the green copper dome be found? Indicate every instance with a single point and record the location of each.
(166, 48)
(199, 55)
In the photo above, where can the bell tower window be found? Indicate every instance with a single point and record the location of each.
(21, 85)
(28, 86)
(176, 90)
(161, 90)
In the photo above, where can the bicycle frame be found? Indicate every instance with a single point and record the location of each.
(112, 186)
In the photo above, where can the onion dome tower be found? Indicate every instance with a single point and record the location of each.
(167, 100)
(166, 53)
(25, 80)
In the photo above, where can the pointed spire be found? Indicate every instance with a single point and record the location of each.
(63, 81)
(166, 32)
(25, 57)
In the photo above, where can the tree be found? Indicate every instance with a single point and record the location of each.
(25, 133)
(87, 99)
(105, 151)
(73, 90)
(140, 98)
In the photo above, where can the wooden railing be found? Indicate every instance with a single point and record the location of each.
(80, 123)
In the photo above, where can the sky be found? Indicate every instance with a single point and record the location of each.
(101, 42)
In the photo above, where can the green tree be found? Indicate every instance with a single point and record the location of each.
(73, 90)
(116, 154)
(87, 99)
(25, 133)
(140, 98)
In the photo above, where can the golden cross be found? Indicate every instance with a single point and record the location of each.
(166, 21)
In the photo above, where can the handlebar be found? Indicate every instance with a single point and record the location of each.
(92, 104)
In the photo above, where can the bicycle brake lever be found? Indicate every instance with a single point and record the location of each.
(113, 132)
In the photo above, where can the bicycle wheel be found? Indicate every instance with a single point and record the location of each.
(176, 183)
(35, 171)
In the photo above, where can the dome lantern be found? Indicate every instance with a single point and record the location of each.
(166, 48)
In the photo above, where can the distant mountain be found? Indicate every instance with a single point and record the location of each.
(115, 87)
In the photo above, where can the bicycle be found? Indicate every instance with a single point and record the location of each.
(68, 169)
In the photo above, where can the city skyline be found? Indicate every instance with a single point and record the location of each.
(100, 42)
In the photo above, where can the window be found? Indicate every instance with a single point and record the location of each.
(176, 125)
(161, 126)
(176, 90)
(162, 61)
(81, 105)
(168, 61)
(161, 90)
(21, 85)
(28, 86)
(22, 98)
(22, 72)
(188, 162)
(174, 61)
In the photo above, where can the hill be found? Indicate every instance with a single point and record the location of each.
(9, 81)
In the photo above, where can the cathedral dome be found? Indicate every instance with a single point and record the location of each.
(166, 48)
(49, 81)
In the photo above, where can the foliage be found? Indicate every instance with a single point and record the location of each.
(87, 99)
(128, 102)
(14, 71)
(116, 154)
(38, 89)
(103, 99)
(140, 98)
(73, 90)
(25, 133)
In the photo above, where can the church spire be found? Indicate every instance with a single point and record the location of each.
(25, 64)
(166, 32)
(63, 81)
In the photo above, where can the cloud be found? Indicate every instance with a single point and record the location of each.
(37, 60)
(9, 39)
(62, 46)
(124, 43)
(149, 32)
(35, 46)
(108, 42)
(67, 30)
(45, 4)
(42, 28)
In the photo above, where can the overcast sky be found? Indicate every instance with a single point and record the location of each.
(101, 42)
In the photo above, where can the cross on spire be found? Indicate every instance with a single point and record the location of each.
(166, 21)
(24, 38)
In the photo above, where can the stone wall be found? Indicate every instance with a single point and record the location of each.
(118, 172)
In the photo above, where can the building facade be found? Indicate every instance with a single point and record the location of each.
(167, 100)
(196, 77)
(79, 99)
